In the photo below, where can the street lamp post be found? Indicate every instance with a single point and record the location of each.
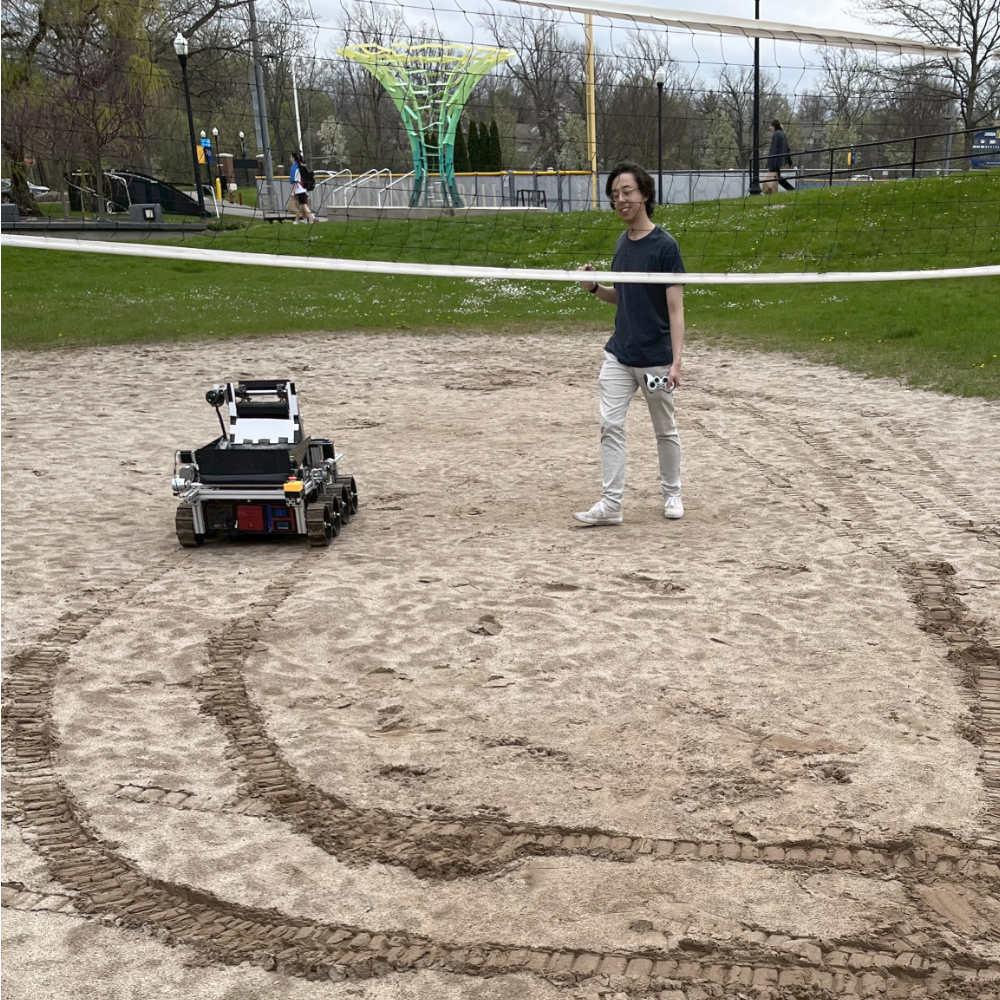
(181, 48)
(218, 164)
(660, 78)
(295, 99)
(755, 130)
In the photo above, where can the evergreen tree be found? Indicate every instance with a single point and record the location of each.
(475, 148)
(483, 142)
(461, 151)
(496, 154)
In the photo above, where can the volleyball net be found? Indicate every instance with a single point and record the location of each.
(474, 140)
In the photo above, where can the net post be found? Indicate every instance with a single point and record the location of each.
(591, 87)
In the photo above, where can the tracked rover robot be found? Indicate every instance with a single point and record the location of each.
(262, 475)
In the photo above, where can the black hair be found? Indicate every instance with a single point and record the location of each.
(775, 123)
(645, 182)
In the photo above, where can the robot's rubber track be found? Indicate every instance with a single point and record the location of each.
(323, 520)
(184, 522)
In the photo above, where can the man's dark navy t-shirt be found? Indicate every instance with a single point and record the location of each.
(642, 325)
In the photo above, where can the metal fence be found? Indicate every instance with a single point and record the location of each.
(551, 190)
(568, 191)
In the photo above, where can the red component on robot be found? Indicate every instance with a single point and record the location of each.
(249, 517)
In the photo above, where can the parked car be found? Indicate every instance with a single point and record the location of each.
(862, 177)
(36, 189)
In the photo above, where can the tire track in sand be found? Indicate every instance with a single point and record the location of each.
(104, 885)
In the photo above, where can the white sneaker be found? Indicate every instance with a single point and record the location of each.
(299, 222)
(600, 513)
(673, 508)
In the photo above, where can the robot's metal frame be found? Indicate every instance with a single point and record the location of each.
(262, 475)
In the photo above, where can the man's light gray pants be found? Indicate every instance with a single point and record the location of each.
(618, 384)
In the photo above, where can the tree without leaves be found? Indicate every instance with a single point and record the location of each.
(218, 77)
(853, 84)
(377, 136)
(914, 99)
(736, 100)
(735, 97)
(281, 43)
(970, 25)
(628, 103)
(544, 68)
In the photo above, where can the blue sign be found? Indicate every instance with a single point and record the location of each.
(985, 149)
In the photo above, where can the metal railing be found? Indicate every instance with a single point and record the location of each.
(323, 192)
(348, 191)
(907, 166)
(387, 193)
(113, 196)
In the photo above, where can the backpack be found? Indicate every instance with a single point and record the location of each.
(306, 177)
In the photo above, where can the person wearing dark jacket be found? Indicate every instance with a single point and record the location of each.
(779, 155)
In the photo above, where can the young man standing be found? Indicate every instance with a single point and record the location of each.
(645, 350)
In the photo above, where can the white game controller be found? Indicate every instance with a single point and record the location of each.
(654, 382)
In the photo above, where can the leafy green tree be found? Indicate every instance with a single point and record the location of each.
(721, 150)
(91, 68)
(573, 149)
(332, 137)
(24, 98)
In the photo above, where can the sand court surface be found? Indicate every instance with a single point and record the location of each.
(473, 750)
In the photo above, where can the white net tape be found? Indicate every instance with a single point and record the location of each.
(213, 256)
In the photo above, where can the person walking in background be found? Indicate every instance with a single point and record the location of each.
(779, 155)
(645, 350)
(300, 193)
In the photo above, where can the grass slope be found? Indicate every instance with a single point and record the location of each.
(941, 334)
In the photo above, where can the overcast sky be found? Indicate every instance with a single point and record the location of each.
(790, 66)
(833, 15)
(807, 12)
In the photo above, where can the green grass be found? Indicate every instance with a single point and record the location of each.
(941, 334)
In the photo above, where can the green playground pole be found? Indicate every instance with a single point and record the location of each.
(430, 85)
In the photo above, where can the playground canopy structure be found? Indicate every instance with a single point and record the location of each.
(430, 83)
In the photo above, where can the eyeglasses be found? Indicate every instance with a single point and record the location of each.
(623, 193)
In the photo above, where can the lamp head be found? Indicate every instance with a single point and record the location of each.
(215, 133)
(180, 46)
(660, 76)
